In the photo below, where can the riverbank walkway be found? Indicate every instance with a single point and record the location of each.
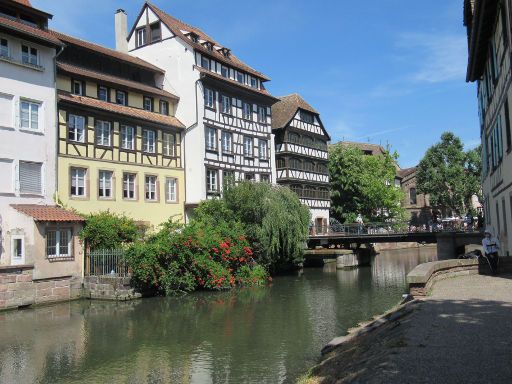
(462, 333)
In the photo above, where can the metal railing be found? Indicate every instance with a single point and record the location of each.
(103, 262)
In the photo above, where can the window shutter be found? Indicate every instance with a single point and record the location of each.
(30, 177)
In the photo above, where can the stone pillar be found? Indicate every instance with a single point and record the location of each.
(347, 261)
(446, 246)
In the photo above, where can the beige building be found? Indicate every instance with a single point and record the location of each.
(489, 33)
(417, 204)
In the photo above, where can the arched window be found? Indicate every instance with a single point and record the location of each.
(412, 196)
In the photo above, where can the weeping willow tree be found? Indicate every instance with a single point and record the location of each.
(275, 222)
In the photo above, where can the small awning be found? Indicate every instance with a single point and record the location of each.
(50, 213)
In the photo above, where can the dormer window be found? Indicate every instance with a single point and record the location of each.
(208, 46)
(141, 37)
(156, 32)
(225, 52)
(254, 82)
(194, 37)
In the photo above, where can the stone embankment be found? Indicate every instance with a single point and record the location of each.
(460, 332)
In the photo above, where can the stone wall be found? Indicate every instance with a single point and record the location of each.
(19, 289)
(109, 288)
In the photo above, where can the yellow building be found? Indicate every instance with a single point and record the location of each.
(119, 144)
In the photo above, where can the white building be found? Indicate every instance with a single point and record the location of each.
(224, 103)
(489, 28)
(301, 155)
(27, 125)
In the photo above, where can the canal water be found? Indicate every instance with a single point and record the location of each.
(263, 335)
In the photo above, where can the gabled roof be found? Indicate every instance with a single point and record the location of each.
(51, 213)
(36, 33)
(286, 108)
(135, 113)
(406, 172)
(375, 149)
(181, 30)
(106, 51)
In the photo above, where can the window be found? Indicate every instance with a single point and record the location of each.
(148, 103)
(262, 114)
(17, 251)
(77, 87)
(28, 55)
(105, 184)
(103, 133)
(280, 163)
(129, 186)
(322, 168)
(30, 178)
(306, 117)
(29, 115)
(254, 82)
(297, 189)
(227, 142)
(293, 138)
(496, 143)
(4, 48)
(141, 37)
(78, 182)
(249, 176)
(508, 132)
(212, 180)
(127, 137)
(169, 144)
(228, 178)
(308, 141)
(121, 98)
(263, 149)
(103, 93)
(209, 98)
(226, 104)
(164, 107)
(240, 77)
(58, 243)
(76, 128)
(211, 139)
(205, 62)
(150, 188)
(148, 141)
(295, 163)
(247, 111)
(248, 146)
(170, 189)
(412, 196)
(309, 166)
(265, 178)
(156, 32)
(224, 71)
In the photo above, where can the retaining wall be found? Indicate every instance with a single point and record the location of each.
(109, 288)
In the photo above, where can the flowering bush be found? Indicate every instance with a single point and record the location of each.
(198, 256)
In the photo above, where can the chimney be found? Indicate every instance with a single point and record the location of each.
(121, 24)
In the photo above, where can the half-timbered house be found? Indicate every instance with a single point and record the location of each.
(301, 155)
(227, 110)
(119, 144)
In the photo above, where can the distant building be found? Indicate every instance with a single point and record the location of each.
(417, 204)
(301, 155)
(119, 144)
(226, 108)
(489, 30)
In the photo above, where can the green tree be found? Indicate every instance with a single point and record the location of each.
(450, 175)
(363, 184)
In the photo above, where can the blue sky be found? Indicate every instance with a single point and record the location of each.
(384, 71)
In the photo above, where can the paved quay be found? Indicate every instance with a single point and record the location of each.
(462, 333)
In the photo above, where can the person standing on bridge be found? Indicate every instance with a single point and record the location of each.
(491, 247)
(359, 221)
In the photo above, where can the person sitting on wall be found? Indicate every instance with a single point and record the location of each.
(491, 247)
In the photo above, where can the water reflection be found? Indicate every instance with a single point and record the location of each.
(261, 335)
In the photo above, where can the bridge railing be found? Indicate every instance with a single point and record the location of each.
(392, 228)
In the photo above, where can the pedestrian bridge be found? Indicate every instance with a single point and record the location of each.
(450, 240)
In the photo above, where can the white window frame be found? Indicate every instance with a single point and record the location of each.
(124, 98)
(148, 107)
(80, 181)
(151, 188)
(75, 129)
(129, 186)
(254, 82)
(212, 180)
(227, 142)
(226, 104)
(103, 133)
(205, 62)
(148, 141)
(14, 259)
(209, 98)
(37, 193)
(171, 189)
(263, 149)
(169, 146)
(211, 139)
(247, 111)
(127, 132)
(262, 114)
(224, 71)
(34, 108)
(58, 235)
(100, 88)
(105, 184)
(164, 107)
(248, 146)
(240, 77)
(77, 88)
(140, 37)
(29, 57)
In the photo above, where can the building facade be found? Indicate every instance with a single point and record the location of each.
(301, 155)
(119, 143)
(489, 29)
(417, 204)
(227, 112)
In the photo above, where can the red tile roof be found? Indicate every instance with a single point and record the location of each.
(114, 80)
(177, 27)
(284, 110)
(24, 2)
(106, 51)
(121, 109)
(29, 30)
(47, 212)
